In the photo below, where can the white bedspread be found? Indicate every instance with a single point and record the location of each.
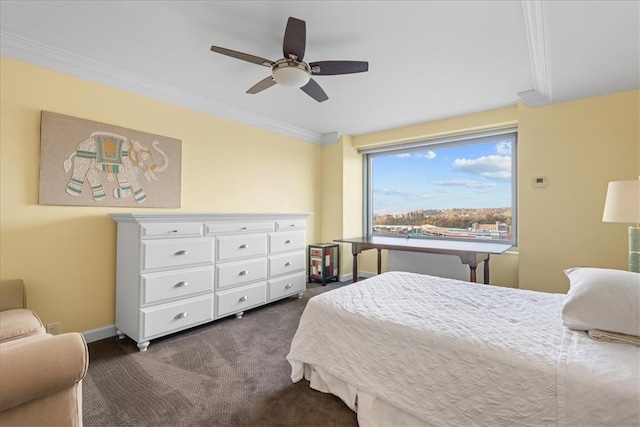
(454, 353)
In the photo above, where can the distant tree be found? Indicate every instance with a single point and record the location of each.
(448, 218)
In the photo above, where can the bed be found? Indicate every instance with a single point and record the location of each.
(409, 349)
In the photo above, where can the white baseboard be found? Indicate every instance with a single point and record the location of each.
(100, 333)
(348, 277)
(345, 277)
(366, 274)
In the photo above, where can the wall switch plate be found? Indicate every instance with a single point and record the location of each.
(539, 181)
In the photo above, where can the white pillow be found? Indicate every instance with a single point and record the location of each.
(603, 299)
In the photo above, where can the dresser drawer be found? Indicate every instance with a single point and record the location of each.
(165, 230)
(171, 317)
(286, 241)
(176, 252)
(239, 272)
(239, 227)
(291, 224)
(181, 283)
(243, 246)
(235, 300)
(286, 263)
(289, 285)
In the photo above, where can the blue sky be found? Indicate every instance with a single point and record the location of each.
(470, 176)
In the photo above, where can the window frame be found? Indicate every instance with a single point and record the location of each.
(455, 140)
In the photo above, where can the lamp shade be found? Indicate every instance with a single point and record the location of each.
(291, 76)
(623, 202)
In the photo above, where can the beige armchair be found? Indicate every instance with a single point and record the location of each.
(40, 374)
(16, 321)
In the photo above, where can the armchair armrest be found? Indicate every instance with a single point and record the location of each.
(12, 294)
(39, 366)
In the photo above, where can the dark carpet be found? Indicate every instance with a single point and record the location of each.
(232, 372)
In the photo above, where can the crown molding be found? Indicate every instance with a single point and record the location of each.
(536, 19)
(25, 50)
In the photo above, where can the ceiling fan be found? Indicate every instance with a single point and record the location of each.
(292, 71)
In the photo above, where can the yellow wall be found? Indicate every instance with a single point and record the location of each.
(341, 196)
(66, 255)
(492, 119)
(353, 201)
(579, 146)
(331, 204)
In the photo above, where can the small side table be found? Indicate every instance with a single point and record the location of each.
(324, 262)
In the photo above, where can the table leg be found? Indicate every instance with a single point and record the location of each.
(486, 270)
(379, 261)
(472, 273)
(355, 267)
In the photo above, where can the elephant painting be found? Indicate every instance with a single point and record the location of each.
(118, 157)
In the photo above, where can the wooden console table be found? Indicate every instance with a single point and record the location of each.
(467, 251)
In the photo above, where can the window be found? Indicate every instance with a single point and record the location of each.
(458, 188)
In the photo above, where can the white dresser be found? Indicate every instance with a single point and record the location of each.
(176, 271)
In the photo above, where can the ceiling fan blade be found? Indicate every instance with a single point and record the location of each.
(331, 68)
(262, 85)
(314, 90)
(295, 38)
(243, 56)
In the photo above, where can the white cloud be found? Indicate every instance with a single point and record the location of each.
(387, 200)
(428, 155)
(504, 148)
(407, 194)
(490, 167)
(422, 155)
(463, 183)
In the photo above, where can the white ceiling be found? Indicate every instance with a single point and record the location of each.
(428, 60)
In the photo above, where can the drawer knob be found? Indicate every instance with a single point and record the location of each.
(180, 284)
(288, 264)
(243, 246)
(243, 228)
(287, 241)
(183, 252)
(173, 231)
(181, 315)
(292, 225)
(288, 286)
(244, 272)
(243, 298)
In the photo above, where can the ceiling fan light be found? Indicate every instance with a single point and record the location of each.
(291, 76)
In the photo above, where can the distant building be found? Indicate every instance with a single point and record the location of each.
(493, 231)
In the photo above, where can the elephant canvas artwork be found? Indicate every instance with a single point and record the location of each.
(86, 163)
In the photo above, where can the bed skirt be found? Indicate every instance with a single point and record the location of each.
(371, 410)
